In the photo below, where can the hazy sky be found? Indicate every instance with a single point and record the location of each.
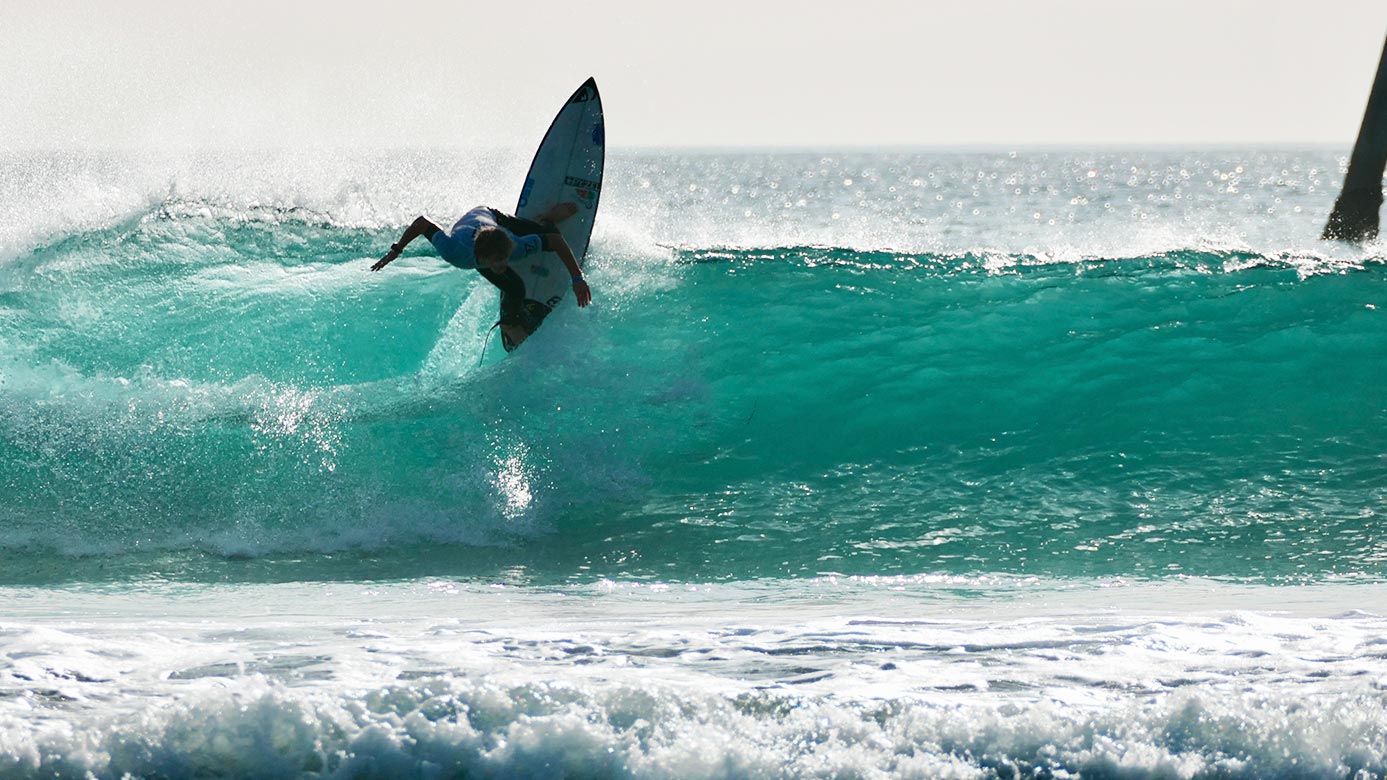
(421, 73)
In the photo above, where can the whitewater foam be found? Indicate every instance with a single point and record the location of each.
(1064, 680)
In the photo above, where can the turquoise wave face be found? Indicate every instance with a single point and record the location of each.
(189, 383)
(214, 389)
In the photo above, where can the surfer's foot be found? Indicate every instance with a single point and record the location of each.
(559, 213)
(515, 334)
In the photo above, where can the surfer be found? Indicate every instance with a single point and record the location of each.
(487, 240)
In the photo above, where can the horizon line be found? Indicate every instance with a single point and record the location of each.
(987, 147)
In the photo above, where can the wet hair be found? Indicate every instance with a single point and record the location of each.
(492, 242)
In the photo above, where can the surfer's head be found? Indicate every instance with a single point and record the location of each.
(492, 246)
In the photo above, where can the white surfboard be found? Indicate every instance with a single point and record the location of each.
(567, 168)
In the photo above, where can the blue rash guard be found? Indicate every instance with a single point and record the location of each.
(455, 245)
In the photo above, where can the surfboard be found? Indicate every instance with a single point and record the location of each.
(567, 167)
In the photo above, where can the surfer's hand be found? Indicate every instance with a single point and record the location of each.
(384, 261)
(584, 295)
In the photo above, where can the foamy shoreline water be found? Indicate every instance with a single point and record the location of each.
(915, 676)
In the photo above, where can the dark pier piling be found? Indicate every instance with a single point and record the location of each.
(1355, 215)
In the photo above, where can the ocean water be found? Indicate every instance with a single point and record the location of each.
(1033, 463)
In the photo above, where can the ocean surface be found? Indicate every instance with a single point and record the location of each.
(935, 464)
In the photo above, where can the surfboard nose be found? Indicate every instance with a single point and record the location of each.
(588, 91)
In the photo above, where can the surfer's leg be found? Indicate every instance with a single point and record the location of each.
(523, 227)
(512, 289)
(516, 322)
(510, 284)
(558, 213)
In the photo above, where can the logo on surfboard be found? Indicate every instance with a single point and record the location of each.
(585, 190)
(587, 184)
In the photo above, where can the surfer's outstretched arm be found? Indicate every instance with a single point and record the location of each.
(421, 226)
(554, 242)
